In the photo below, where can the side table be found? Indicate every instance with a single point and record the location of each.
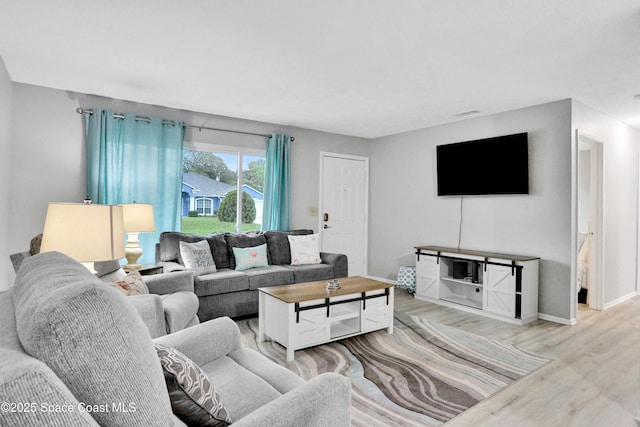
(147, 270)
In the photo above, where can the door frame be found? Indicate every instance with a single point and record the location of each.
(596, 230)
(325, 154)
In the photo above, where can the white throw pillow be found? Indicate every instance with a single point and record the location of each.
(128, 284)
(304, 249)
(197, 257)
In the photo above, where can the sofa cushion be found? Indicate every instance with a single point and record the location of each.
(197, 257)
(169, 246)
(310, 272)
(251, 257)
(280, 378)
(304, 249)
(218, 246)
(278, 245)
(241, 390)
(272, 275)
(242, 240)
(223, 281)
(67, 318)
(193, 397)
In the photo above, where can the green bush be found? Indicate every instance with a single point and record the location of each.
(193, 214)
(227, 209)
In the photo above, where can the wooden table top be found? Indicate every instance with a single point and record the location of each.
(476, 253)
(308, 291)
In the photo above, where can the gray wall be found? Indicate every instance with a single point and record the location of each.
(48, 160)
(42, 158)
(406, 212)
(5, 150)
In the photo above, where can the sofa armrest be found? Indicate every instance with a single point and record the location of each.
(206, 341)
(171, 266)
(339, 262)
(28, 382)
(150, 309)
(180, 310)
(168, 283)
(322, 401)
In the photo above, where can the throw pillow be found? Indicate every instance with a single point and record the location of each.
(193, 397)
(304, 249)
(133, 284)
(251, 257)
(197, 257)
(128, 284)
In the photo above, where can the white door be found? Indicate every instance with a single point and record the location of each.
(343, 208)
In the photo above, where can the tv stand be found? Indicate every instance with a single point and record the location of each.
(500, 286)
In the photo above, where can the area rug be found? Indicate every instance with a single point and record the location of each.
(424, 374)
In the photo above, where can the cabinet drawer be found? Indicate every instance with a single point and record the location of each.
(313, 328)
(376, 315)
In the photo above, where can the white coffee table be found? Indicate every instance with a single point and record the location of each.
(307, 314)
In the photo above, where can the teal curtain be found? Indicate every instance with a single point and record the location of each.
(275, 214)
(136, 159)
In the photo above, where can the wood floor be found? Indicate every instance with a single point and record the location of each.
(593, 379)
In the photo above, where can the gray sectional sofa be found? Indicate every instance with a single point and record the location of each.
(232, 293)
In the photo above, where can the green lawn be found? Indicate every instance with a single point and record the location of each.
(208, 225)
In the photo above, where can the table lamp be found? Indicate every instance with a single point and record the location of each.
(138, 218)
(87, 233)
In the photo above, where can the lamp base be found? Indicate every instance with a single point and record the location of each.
(132, 251)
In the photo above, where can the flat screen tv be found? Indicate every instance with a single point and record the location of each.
(498, 165)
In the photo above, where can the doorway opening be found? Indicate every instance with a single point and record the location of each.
(588, 225)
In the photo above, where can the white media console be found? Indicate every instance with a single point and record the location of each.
(500, 286)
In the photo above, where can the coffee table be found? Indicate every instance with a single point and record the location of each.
(308, 314)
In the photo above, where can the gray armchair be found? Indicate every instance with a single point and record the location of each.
(170, 306)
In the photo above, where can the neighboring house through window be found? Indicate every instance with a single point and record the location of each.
(212, 174)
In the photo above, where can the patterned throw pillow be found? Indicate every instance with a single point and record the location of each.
(193, 398)
(128, 284)
(197, 257)
(251, 257)
(304, 249)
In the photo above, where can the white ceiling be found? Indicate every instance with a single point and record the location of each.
(357, 67)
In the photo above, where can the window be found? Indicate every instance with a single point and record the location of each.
(214, 180)
(204, 207)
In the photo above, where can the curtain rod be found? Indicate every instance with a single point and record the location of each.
(173, 123)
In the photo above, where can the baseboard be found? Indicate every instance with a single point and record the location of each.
(619, 300)
(541, 316)
(380, 279)
(555, 319)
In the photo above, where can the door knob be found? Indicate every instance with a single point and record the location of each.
(326, 226)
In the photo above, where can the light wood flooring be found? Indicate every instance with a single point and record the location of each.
(593, 379)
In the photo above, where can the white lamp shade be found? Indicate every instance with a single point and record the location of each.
(138, 218)
(86, 233)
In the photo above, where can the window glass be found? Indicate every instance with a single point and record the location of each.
(210, 184)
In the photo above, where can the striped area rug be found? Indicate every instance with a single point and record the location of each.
(422, 375)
